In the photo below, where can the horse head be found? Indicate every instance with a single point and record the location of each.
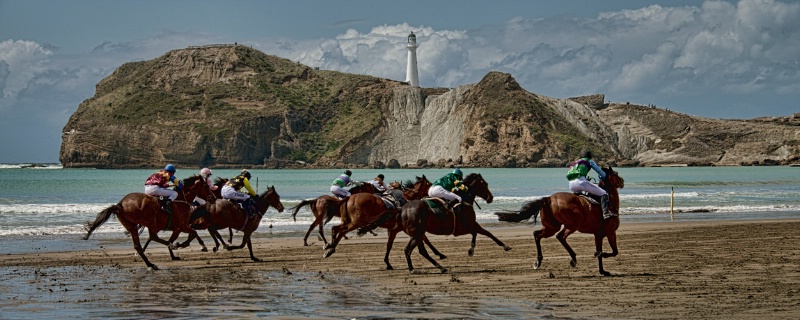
(269, 198)
(196, 186)
(219, 182)
(418, 189)
(478, 187)
(612, 180)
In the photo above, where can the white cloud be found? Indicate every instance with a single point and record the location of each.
(22, 61)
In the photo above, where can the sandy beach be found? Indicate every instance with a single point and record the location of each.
(698, 270)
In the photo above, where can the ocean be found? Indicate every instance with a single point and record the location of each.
(44, 210)
(52, 203)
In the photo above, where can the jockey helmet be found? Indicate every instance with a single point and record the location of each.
(586, 154)
(205, 172)
(380, 175)
(458, 172)
(170, 167)
(246, 173)
(348, 173)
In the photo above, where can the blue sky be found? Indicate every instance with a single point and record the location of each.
(716, 59)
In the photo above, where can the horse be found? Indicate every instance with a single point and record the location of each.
(417, 218)
(139, 209)
(575, 213)
(226, 214)
(366, 211)
(325, 208)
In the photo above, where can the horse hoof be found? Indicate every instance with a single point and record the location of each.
(444, 270)
(326, 246)
(256, 259)
(328, 253)
(597, 254)
(507, 248)
(605, 273)
(215, 249)
(471, 252)
(413, 271)
(389, 268)
(573, 263)
(536, 265)
(204, 249)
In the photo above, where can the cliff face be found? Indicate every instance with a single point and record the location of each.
(231, 106)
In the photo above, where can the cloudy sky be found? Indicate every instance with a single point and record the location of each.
(716, 59)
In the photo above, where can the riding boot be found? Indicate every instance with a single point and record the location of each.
(452, 205)
(607, 214)
(165, 205)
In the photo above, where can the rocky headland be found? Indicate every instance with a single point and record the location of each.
(233, 106)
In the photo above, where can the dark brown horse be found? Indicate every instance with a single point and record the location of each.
(226, 214)
(574, 213)
(325, 208)
(138, 209)
(417, 218)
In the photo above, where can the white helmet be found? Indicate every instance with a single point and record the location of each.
(206, 172)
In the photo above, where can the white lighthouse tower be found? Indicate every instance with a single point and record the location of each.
(412, 77)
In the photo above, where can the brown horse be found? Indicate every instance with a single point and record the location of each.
(226, 214)
(325, 208)
(574, 213)
(417, 218)
(138, 209)
(366, 211)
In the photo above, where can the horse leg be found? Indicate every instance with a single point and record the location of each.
(486, 233)
(562, 237)
(311, 228)
(230, 235)
(538, 235)
(472, 244)
(598, 242)
(389, 244)
(136, 244)
(250, 246)
(338, 234)
(199, 240)
(171, 246)
(421, 249)
(430, 245)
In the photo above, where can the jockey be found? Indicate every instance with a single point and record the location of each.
(205, 173)
(337, 188)
(446, 186)
(576, 175)
(231, 189)
(157, 184)
(378, 184)
(396, 190)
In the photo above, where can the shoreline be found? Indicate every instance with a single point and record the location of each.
(694, 269)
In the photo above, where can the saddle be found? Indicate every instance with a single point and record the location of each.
(390, 201)
(593, 199)
(438, 206)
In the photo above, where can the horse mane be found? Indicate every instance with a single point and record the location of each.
(470, 177)
(408, 184)
(220, 180)
(191, 180)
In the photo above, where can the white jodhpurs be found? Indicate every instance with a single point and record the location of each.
(581, 184)
(439, 192)
(154, 190)
(229, 192)
(339, 191)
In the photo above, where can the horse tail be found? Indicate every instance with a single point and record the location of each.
(528, 210)
(303, 203)
(101, 218)
(377, 222)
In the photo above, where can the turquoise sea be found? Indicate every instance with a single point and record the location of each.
(44, 209)
(52, 203)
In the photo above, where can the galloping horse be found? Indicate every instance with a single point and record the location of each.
(138, 209)
(366, 211)
(417, 218)
(574, 213)
(325, 208)
(226, 214)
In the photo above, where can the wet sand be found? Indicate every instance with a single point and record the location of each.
(698, 270)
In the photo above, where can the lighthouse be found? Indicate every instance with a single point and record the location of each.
(412, 77)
